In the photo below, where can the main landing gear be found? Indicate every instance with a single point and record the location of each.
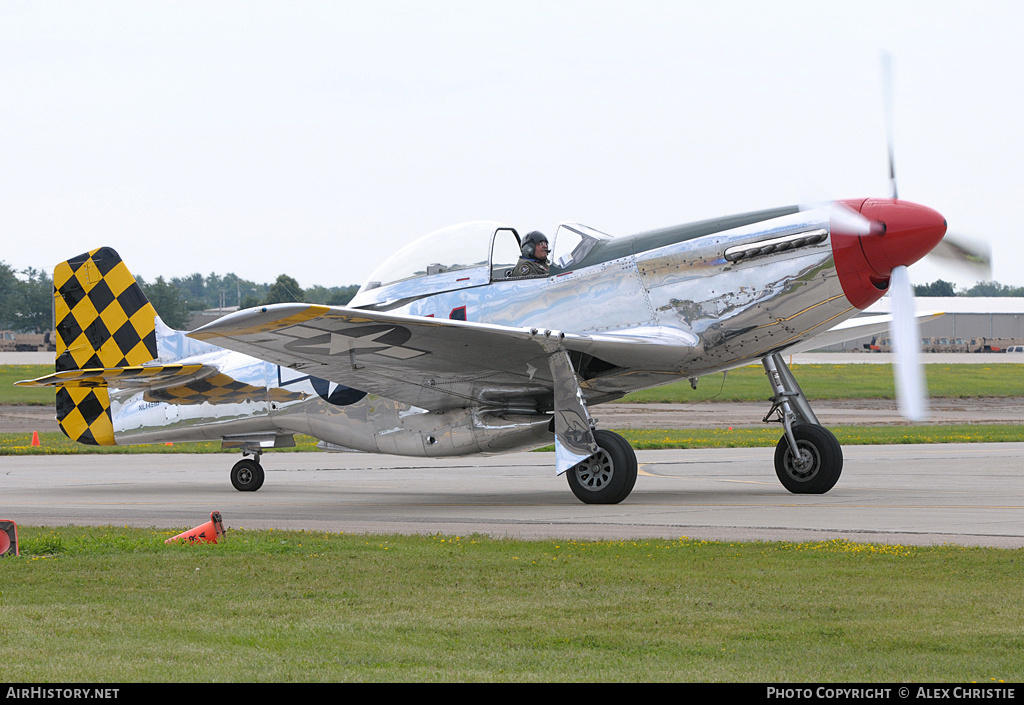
(808, 458)
(608, 476)
(247, 474)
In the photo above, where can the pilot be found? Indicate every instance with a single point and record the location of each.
(534, 262)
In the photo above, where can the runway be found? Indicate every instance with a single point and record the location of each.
(965, 494)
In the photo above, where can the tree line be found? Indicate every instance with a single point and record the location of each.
(940, 287)
(26, 301)
(26, 296)
(175, 300)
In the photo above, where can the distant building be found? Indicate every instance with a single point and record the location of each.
(977, 321)
(201, 318)
(970, 324)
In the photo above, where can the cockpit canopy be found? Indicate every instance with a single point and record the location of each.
(466, 255)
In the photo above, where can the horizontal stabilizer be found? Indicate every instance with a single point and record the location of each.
(133, 377)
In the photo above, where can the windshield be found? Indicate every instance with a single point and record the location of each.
(573, 242)
(458, 247)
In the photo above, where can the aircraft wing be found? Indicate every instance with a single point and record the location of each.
(434, 364)
(854, 328)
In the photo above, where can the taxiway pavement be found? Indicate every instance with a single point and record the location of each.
(966, 494)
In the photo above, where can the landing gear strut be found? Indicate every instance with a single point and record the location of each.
(608, 476)
(247, 474)
(808, 458)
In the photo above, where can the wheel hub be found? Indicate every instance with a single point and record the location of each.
(595, 472)
(804, 465)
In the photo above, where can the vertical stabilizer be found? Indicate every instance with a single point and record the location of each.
(103, 320)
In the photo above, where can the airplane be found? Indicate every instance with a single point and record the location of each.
(443, 352)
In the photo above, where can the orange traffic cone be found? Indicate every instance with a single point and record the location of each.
(206, 533)
(8, 538)
(35, 438)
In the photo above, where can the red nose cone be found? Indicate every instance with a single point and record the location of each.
(902, 233)
(911, 232)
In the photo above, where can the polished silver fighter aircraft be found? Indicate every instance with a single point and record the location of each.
(443, 353)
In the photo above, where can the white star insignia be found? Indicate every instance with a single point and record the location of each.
(343, 344)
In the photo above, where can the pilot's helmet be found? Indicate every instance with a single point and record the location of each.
(531, 241)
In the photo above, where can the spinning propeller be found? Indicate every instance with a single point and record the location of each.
(874, 241)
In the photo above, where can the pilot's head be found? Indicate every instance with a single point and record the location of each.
(535, 245)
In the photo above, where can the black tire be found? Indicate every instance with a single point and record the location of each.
(247, 475)
(607, 477)
(822, 456)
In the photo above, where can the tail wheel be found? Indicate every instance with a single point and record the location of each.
(247, 475)
(608, 476)
(817, 464)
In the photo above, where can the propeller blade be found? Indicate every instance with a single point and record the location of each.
(911, 390)
(889, 130)
(843, 218)
(972, 255)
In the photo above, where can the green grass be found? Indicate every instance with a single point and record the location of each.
(744, 384)
(56, 443)
(9, 394)
(117, 605)
(863, 381)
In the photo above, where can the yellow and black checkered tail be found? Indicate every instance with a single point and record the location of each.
(103, 321)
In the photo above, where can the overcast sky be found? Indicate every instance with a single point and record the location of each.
(313, 139)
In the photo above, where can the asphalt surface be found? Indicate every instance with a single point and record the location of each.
(965, 494)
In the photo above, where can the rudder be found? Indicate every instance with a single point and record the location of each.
(103, 320)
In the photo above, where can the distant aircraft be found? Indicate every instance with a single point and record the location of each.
(442, 353)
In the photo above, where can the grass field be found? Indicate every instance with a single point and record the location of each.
(117, 605)
(56, 443)
(743, 384)
(9, 394)
(844, 382)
